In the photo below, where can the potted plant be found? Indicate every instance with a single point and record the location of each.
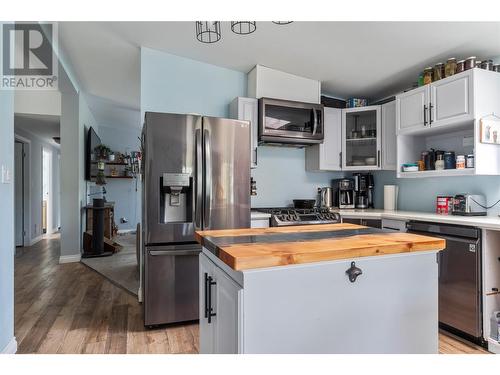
(102, 152)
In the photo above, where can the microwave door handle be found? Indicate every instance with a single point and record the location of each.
(315, 119)
(198, 180)
(208, 179)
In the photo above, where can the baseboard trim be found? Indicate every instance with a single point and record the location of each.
(11, 347)
(35, 240)
(69, 258)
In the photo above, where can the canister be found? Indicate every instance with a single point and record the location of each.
(460, 66)
(460, 162)
(444, 204)
(469, 161)
(451, 67)
(449, 160)
(470, 63)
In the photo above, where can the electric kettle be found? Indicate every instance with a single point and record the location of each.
(325, 197)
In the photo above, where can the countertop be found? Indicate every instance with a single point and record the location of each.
(243, 249)
(257, 215)
(485, 222)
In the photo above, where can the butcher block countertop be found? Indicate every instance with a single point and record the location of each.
(244, 249)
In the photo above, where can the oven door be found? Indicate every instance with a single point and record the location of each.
(283, 121)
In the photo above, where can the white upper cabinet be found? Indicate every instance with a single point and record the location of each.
(389, 142)
(447, 102)
(327, 156)
(264, 82)
(247, 109)
(451, 100)
(412, 110)
(361, 138)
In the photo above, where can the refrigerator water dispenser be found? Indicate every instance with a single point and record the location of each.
(175, 197)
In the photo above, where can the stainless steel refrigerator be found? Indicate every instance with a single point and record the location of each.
(196, 177)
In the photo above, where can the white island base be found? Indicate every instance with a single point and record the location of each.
(392, 307)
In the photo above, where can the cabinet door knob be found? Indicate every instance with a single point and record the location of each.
(353, 272)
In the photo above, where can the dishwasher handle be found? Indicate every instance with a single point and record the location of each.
(443, 230)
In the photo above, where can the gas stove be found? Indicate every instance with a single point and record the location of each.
(297, 216)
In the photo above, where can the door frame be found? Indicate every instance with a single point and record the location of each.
(26, 190)
(50, 196)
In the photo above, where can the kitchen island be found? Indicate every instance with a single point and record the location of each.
(336, 288)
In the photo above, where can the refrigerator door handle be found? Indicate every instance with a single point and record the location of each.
(173, 252)
(198, 180)
(208, 180)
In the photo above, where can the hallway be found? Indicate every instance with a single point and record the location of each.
(70, 308)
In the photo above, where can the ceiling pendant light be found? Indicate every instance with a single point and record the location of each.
(208, 31)
(282, 22)
(243, 27)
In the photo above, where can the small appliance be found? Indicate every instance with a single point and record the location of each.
(287, 122)
(325, 197)
(294, 216)
(363, 188)
(345, 193)
(469, 205)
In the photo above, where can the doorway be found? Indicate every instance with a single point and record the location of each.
(19, 204)
(47, 224)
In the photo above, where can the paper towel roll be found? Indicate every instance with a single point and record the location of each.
(390, 197)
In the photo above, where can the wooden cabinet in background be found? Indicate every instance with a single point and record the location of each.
(109, 219)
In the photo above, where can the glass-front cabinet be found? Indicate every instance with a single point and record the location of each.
(361, 136)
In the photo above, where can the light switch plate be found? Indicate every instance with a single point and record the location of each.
(6, 175)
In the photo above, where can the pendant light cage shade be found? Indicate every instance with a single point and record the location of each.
(208, 31)
(243, 27)
(282, 22)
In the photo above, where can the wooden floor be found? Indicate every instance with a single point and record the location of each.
(70, 308)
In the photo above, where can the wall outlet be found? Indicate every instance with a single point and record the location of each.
(6, 175)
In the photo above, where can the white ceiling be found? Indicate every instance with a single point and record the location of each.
(44, 127)
(360, 59)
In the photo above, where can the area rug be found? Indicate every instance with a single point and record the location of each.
(121, 267)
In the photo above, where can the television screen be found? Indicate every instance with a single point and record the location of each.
(93, 141)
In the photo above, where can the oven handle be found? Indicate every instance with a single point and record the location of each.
(315, 119)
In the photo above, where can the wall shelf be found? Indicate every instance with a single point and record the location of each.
(438, 173)
(110, 163)
(124, 177)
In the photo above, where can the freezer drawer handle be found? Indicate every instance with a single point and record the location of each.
(353, 272)
(210, 313)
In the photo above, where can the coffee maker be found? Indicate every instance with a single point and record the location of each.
(345, 193)
(363, 188)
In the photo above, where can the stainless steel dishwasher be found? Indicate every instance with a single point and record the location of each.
(460, 305)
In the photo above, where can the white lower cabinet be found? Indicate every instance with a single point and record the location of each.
(314, 308)
(219, 308)
(259, 223)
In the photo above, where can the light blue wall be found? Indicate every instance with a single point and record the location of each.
(281, 177)
(125, 193)
(6, 219)
(419, 194)
(170, 83)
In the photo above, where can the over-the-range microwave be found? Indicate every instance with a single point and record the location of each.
(289, 122)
